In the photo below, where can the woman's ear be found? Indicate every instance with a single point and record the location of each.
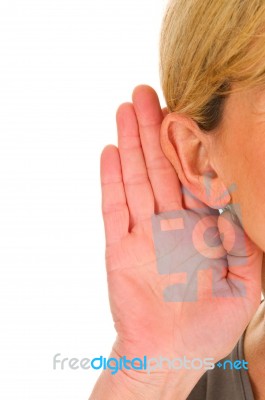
(188, 150)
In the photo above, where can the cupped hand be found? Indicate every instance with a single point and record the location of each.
(173, 290)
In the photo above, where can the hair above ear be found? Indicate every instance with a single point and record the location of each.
(205, 47)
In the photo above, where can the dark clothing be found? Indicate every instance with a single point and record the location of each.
(225, 384)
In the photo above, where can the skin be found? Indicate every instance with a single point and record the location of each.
(239, 157)
(244, 163)
(158, 155)
(236, 152)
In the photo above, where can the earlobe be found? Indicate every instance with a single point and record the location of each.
(187, 148)
(214, 192)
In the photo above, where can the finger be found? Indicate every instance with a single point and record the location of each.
(163, 177)
(114, 207)
(139, 194)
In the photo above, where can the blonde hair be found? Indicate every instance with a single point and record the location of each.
(205, 47)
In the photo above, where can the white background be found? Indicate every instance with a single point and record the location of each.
(65, 66)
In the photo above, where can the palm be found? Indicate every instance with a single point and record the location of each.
(138, 182)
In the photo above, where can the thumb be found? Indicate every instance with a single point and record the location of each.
(244, 258)
(235, 240)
